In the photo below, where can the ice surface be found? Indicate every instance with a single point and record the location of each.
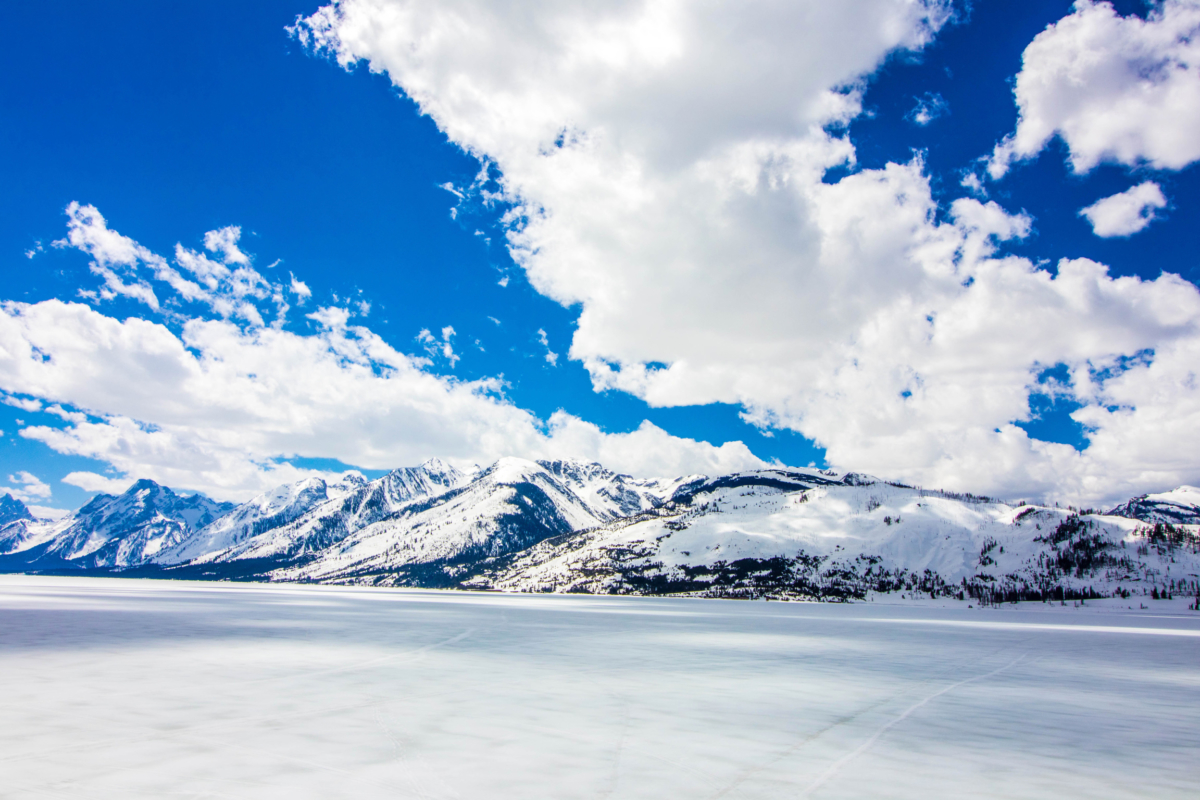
(125, 688)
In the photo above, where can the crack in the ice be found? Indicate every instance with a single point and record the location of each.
(862, 748)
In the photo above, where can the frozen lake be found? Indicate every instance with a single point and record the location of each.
(125, 688)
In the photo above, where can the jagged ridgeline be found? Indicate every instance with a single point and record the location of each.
(568, 526)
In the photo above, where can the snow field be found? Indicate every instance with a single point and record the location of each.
(124, 688)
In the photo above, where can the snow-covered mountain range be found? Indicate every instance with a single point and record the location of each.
(109, 532)
(568, 526)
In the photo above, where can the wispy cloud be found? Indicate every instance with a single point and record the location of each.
(550, 356)
(439, 348)
(27, 487)
(929, 107)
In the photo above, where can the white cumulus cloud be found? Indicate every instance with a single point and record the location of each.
(664, 165)
(217, 404)
(1116, 89)
(27, 487)
(648, 450)
(1127, 212)
(224, 242)
(94, 482)
(300, 289)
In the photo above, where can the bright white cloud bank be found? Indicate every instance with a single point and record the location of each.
(665, 164)
(1118, 89)
(27, 487)
(1126, 213)
(213, 406)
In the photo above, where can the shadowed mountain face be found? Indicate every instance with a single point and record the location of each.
(567, 526)
(1178, 507)
(17, 525)
(12, 509)
(267, 512)
(436, 514)
(130, 529)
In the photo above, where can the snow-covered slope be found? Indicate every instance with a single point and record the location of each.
(18, 528)
(267, 512)
(571, 526)
(24, 534)
(123, 531)
(511, 505)
(758, 538)
(1179, 506)
(326, 522)
(608, 495)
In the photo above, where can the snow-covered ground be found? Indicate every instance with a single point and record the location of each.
(134, 688)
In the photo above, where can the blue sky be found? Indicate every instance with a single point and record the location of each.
(173, 121)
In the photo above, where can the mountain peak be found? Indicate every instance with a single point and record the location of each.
(12, 509)
(1183, 495)
(436, 467)
(351, 477)
(511, 469)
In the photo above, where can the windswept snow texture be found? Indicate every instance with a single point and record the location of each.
(147, 689)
